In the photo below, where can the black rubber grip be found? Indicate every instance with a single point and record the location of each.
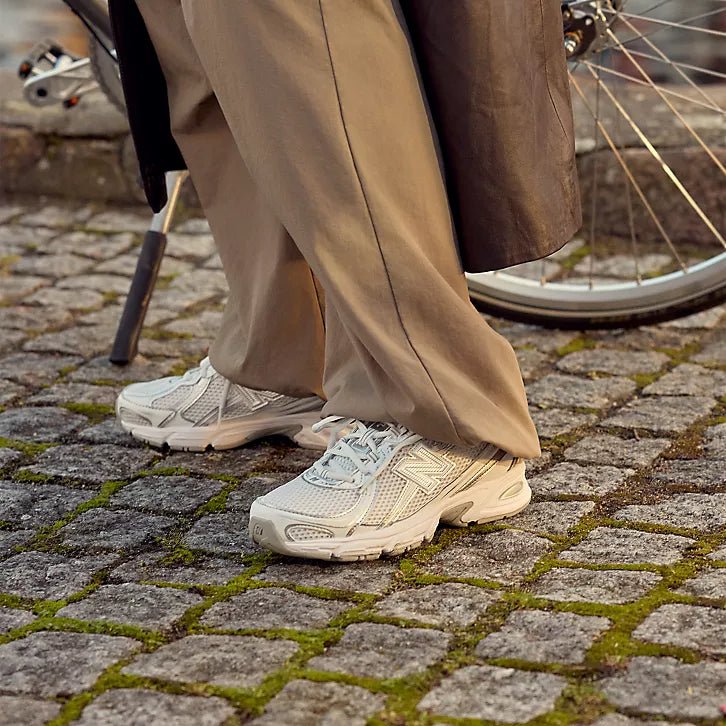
(142, 286)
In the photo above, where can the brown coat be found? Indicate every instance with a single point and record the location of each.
(496, 78)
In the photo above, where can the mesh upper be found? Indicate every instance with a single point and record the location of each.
(209, 401)
(173, 400)
(300, 497)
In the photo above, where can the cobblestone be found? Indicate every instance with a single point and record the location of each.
(272, 607)
(667, 687)
(304, 703)
(719, 554)
(59, 664)
(450, 604)
(150, 567)
(689, 380)
(39, 424)
(105, 529)
(225, 533)
(663, 414)
(612, 450)
(167, 494)
(33, 369)
(584, 481)
(495, 694)
(95, 464)
(9, 540)
(543, 637)
(93, 339)
(615, 362)
(108, 432)
(715, 441)
(628, 547)
(551, 517)
(24, 318)
(11, 619)
(134, 707)
(611, 587)
(146, 606)
(712, 353)
(48, 576)
(553, 422)
(370, 577)
(235, 463)
(690, 511)
(688, 626)
(23, 711)
(708, 583)
(8, 457)
(62, 393)
(31, 505)
(505, 556)
(374, 650)
(67, 300)
(700, 473)
(561, 390)
(233, 661)
(97, 247)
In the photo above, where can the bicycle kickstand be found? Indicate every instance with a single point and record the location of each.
(126, 344)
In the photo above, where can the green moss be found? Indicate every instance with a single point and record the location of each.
(645, 379)
(25, 447)
(7, 262)
(576, 257)
(30, 476)
(573, 346)
(96, 412)
(159, 334)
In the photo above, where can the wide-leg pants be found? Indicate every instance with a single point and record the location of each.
(308, 138)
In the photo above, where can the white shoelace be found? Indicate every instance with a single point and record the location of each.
(357, 453)
(195, 374)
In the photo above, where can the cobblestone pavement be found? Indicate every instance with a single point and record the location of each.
(131, 594)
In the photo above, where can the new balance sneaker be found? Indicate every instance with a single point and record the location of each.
(202, 408)
(381, 489)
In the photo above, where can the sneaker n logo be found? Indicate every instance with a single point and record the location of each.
(424, 468)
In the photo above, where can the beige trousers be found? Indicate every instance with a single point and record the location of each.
(308, 139)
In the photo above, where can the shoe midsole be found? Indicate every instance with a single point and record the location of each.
(237, 430)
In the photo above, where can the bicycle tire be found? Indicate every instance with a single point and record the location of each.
(487, 298)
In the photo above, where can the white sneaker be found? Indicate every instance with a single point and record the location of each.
(381, 489)
(202, 408)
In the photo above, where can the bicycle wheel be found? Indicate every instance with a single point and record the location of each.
(648, 81)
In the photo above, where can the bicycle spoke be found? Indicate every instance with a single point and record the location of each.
(641, 82)
(696, 207)
(682, 24)
(667, 23)
(625, 167)
(676, 64)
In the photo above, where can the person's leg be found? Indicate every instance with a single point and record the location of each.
(267, 359)
(272, 332)
(325, 106)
